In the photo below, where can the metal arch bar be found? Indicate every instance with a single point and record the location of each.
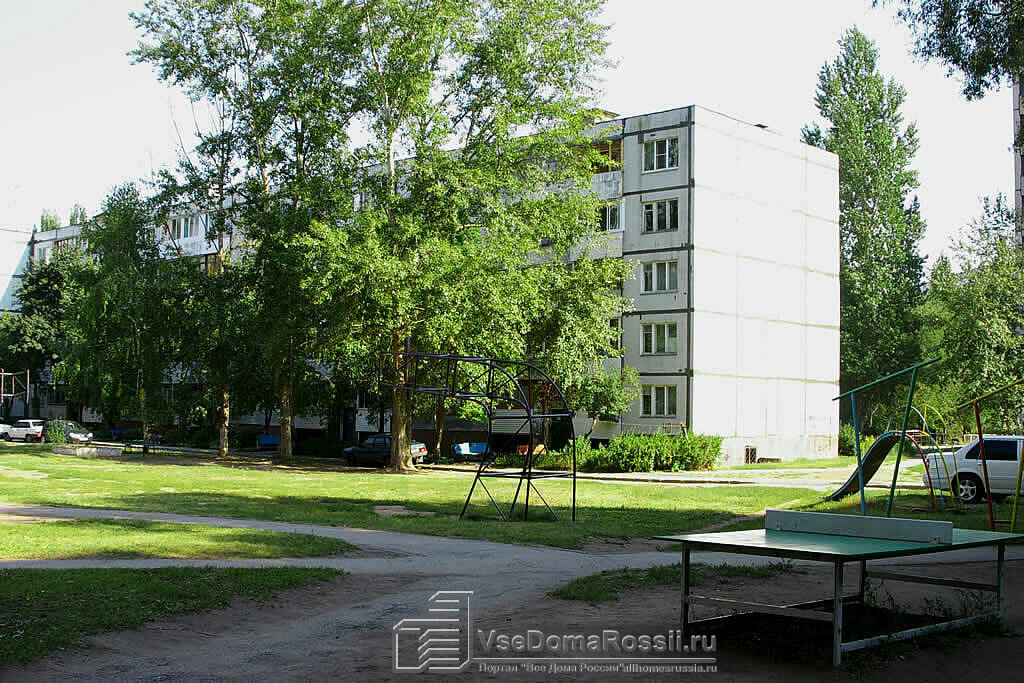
(888, 377)
(991, 393)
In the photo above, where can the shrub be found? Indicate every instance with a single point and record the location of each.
(658, 451)
(847, 440)
(700, 451)
(54, 433)
(562, 460)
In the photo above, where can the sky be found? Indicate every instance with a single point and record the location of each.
(78, 118)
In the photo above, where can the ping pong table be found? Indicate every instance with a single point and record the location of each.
(838, 540)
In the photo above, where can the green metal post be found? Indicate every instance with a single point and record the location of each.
(860, 472)
(903, 438)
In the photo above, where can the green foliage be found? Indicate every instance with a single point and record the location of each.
(49, 220)
(641, 453)
(54, 433)
(121, 323)
(979, 39)
(880, 269)
(972, 315)
(603, 393)
(78, 215)
(847, 439)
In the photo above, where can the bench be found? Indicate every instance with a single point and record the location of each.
(470, 449)
(268, 441)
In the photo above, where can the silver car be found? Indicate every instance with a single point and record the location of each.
(1002, 458)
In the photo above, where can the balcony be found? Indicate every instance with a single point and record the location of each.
(607, 185)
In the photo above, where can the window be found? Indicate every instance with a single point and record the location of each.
(616, 336)
(608, 218)
(174, 228)
(661, 276)
(659, 401)
(660, 338)
(660, 154)
(995, 449)
(663, 215)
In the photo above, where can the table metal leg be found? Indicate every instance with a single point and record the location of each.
(863, 581)
(1000, 579)
(837, 615)
(684, 606)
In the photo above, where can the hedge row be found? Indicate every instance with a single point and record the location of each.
(640, 453)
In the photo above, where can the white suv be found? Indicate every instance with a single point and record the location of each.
(1002, 457)
(28, 430)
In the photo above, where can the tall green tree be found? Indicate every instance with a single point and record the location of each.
(120, 347)
(973, 314)
(49, 220)
(981, 40)
(78, 215)
(880, 269)
(445, 238)
(277, 73)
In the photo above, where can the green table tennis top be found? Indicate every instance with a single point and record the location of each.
(830, 548)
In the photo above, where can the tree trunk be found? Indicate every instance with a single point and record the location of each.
(440, 415)
(285, 452)
(224, 417)
(401, 419)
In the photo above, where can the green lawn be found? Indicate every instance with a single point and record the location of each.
(313, 493)
(45, 610)
(134, 538)
(608, 584)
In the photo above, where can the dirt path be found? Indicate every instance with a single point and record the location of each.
(343, 630)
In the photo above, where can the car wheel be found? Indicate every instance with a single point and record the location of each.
(971, 490)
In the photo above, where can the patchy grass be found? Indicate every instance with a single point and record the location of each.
(112, 538)
(911, 505)
(44, 610)
(318, 493)
(608, 584)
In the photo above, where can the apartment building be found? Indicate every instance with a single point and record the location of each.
(734, 328)
(734, 231)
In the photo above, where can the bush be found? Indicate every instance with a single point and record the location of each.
(649, 452)
(848, 441)
(54, 433)
(700, 451)
(562, 460)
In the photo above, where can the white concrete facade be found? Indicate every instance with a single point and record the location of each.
(14, 253)
(741, 338)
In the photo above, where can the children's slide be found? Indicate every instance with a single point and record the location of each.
(870, 463)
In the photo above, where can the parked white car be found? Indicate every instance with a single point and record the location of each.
(5, 431)
(26, 430)
(1002, 458)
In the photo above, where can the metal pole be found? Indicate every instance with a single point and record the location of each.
(903, 438)
(860, 472)
(1016, 493)
(837, 615)
(984, 466)
(684, 604)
